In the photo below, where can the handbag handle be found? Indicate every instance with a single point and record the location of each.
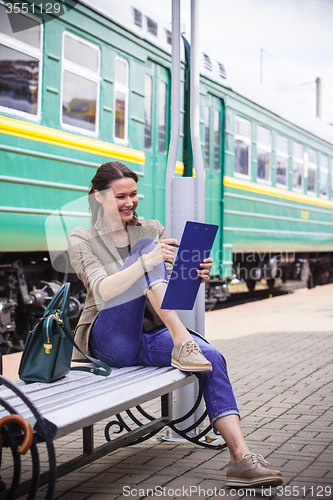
(52, 306)
(64, 310)
(62, 295)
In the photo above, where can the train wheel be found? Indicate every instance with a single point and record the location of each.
(270, 283)
(250, 283)
(311, 283)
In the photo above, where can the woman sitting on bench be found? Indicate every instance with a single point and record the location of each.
(123, 262)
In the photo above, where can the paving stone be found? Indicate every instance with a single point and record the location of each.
(72, 495)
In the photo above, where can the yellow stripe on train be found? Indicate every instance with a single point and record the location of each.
(275, 192)
(179, 167)
(39, 133)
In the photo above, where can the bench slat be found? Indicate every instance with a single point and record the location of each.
(81, 398)
(61, 397)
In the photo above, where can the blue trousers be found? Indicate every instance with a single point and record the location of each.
(116, 338)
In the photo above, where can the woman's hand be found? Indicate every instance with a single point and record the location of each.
(163, 251)
(206, 266)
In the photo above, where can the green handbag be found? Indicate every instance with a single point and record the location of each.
(48, 350)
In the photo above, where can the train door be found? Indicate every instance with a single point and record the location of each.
(213, 128)
(156, 140)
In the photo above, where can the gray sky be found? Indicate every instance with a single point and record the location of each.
(296, 35)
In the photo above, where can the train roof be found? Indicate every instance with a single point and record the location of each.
(135, 18)
(270, 100)
(147, 25)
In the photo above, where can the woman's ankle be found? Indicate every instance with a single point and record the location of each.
(237, 454)
(178, 332)
(180, 339)
(176, 328)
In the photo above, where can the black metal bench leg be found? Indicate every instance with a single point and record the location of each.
(88, 440)
(165, 405)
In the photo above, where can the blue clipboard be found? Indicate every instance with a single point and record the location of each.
(195, 246)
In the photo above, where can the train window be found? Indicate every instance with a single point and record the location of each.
(20, 65)
(80, 84)
(312, 172)
(312, 156)
(242, 146)
(298, 166)
(243, 127)
(31, 35)
(264, 151)
(282, 157)
(323, 176)
(82, 54)
(207, 122)
(121, 100)
(148, 109)
(121, 72)
(217, 139)
(162, 103)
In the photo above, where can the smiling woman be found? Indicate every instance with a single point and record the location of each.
(118, 200)
(140, 250)
(121, 200)
(124, 264)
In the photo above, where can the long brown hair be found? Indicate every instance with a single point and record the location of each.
(105, 175)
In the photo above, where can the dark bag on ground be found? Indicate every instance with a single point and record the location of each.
(48, 350)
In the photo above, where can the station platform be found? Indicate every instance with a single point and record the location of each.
(280, 360)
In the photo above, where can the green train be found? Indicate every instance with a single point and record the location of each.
(93, 85)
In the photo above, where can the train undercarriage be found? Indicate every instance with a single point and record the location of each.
(28, 282)
(311, 268)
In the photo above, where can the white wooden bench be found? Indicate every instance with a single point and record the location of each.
(80, 400)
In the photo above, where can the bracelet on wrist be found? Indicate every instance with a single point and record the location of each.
(142, 265)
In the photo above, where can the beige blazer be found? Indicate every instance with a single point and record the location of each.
(94, 257)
